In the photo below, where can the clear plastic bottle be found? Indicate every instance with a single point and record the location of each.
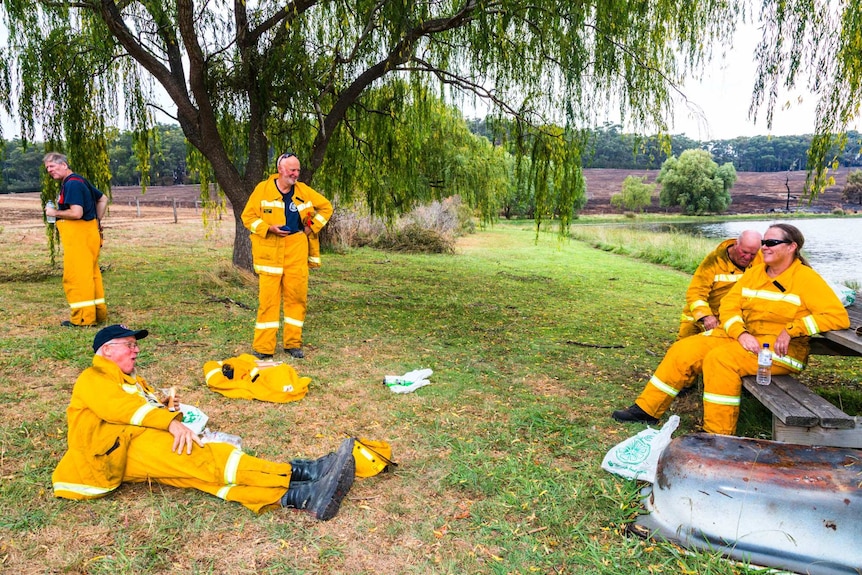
(221, 437)
(764, 365)
(50, 219)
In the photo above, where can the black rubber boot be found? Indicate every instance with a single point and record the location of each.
(322, 498)
(311, 469)
(634, 414)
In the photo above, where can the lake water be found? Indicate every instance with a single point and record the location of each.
(833, 246)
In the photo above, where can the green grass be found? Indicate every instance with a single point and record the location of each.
(533, 344)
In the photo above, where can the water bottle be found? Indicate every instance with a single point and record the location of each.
(221, 437)
(50, 219)
(764, 365)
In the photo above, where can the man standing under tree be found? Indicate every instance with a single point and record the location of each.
(281, 214)
(79, 212)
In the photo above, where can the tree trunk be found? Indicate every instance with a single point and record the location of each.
(241, 242)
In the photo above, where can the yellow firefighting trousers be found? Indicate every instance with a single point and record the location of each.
(216, 468)
(289, 289)
(82, 279)
(722, 361)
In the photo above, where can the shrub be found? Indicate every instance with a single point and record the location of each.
(352, 227)
(431, 228)
(413, 238)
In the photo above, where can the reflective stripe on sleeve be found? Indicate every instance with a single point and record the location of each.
(810, 324)
(141, 413)
(320, 219)
(731, 321)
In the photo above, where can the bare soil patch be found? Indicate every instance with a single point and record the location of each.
(753, 192)
(128, 207)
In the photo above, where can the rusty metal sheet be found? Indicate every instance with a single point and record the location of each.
(781, 505)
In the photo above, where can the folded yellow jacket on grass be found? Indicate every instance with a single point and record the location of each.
(241, 378)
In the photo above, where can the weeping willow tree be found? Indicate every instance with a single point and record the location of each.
(818, 44)
(349, 85)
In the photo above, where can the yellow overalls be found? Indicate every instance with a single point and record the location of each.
(282, 262)
(118, 433)
(82, 278)
(755, 304)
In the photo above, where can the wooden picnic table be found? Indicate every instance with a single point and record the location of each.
(848, 340)
(798, 414)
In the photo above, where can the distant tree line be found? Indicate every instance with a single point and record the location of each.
(612, 148)
(21, 162)
(609, 147)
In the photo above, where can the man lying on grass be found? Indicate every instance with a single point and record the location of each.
(119, 431)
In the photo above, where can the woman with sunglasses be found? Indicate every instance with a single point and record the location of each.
(782, 302)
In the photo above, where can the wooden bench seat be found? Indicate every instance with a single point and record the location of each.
(801, 416)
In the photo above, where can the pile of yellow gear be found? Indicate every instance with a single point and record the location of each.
(241, 378)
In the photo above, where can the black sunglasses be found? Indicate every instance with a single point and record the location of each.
(773, 243)
(284, 156)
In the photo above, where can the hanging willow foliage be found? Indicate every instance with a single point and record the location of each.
(356, 88)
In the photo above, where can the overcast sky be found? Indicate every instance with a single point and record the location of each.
(724, 95)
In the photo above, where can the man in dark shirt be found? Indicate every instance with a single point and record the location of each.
(79, 213)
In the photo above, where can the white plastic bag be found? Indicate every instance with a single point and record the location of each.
(845, 294)
(194, 418)
(637, 457)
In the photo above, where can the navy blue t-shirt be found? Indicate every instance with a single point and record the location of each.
(291, 214)
(75, 190)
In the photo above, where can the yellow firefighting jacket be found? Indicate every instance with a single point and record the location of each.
(798, 300)
(265, 208)
(107, 410)
(240, 377)
(713, 278)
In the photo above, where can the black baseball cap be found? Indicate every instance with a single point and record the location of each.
(106, 334)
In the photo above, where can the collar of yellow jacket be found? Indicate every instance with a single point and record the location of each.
(113, 371)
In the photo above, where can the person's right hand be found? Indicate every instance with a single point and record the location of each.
(278, 231)
(183, 437)
(749, 342)
(709, 322)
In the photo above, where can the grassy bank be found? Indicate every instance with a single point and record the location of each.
(532, 345)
